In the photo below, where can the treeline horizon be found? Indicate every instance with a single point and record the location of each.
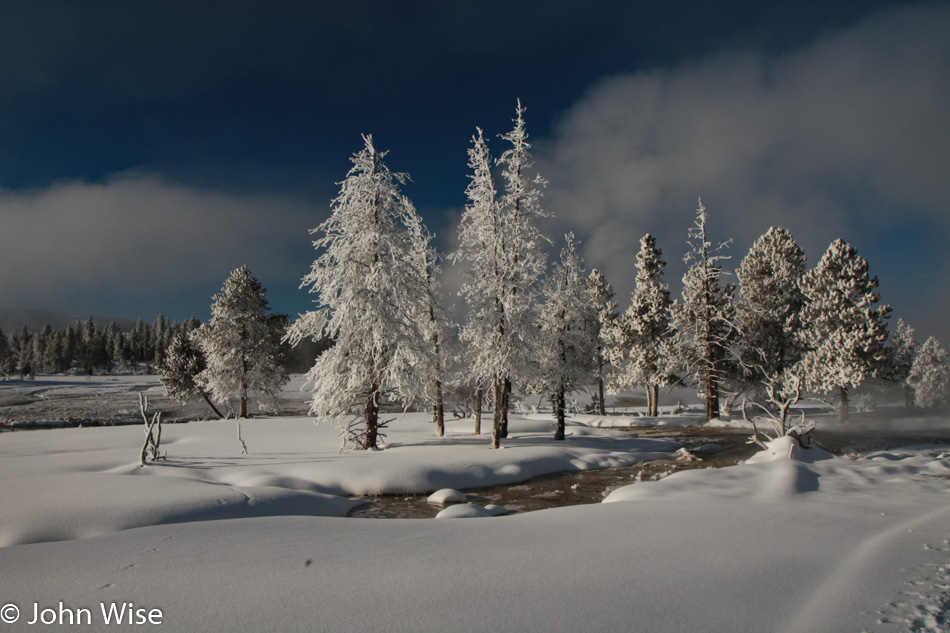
(82, 347)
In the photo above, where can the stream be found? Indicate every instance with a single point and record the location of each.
(713, 448)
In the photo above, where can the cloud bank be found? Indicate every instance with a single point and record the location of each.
(139, 240)
(845, 137)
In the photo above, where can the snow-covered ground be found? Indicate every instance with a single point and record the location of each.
(220, 541)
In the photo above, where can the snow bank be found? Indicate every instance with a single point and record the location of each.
(788, 448)
(446, 496)
(241, 542)
(77, 483)
(702, 550)
(471, 511)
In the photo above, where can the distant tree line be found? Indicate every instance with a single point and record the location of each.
(83, 347)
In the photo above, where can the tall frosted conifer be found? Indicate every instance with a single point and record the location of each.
(929, 375)
(903, 352)
(500, 243)
(642, 341)
(842, 330)
(371, 294)
(769, 278)
(242, 344)
(523, 242)
(437, 326)
(706, 330)
(568, 324)
(602, 298)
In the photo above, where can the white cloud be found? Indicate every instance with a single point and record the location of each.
(138, 236)
(846, 135)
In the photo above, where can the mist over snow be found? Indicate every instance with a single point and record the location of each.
(845, 137)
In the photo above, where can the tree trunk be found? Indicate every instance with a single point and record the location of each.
(211, 404)
(649, 390)
(600, 388)
(505, 399)
(712, 396)
(496, 418)
(600, 383)
(843, 414)
(372, 419)
(559, 414)
(243, 389)
(478, 411)
(656, 401)
(438, 414)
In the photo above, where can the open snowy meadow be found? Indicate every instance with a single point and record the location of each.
(215, 540)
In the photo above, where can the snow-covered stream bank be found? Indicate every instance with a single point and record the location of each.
(709, 450)
(220, 541)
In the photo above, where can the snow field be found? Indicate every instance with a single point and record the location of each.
(221, 541)
(700, 550)
(76, 483)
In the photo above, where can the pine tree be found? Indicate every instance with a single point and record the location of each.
(485, 333)
(160, 338)
(139, 343)
(180, 368)
(371, 290)
(602, 299)
(569, 326)
(501, 248)
(522, 246)
(929, 375)
(842, 331)
(903, 352)
(769, 278)
(241, 344)
(6, 356)
(41, 341)
(641, 342)
(22, 344)
(437, 328)
(705, 321)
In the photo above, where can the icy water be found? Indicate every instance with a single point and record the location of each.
(713, 448)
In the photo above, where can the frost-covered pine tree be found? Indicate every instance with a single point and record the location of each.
(180, 367)
(482, 335)
(642, 341)
(242, 344)
(929, 376)
(569, 327)
(769, 278)
(706, 319)
(523, 246)
(370, 287)
(602, 298)
(502, 248)
(904, 349)
(842, 331)
(437, 326)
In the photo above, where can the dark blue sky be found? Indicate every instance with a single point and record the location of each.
(148, 148)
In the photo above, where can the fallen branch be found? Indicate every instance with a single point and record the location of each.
(150, 449)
